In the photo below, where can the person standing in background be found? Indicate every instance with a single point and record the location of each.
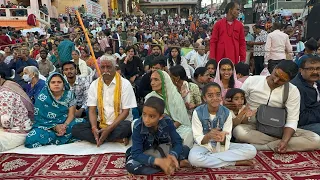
(228, 40)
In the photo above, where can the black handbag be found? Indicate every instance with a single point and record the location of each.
(271, 120)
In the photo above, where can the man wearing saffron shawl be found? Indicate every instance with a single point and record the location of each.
(113, 98)
(228, 40)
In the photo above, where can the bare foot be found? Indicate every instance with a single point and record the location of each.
(245, 163)
(131, 176)
(185, 164)
(125, 141)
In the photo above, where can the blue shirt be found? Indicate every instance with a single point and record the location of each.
(143, 139)
(299, 60)
(34, 92)
(65, 49)
(5, 68)
(309, 104)
(249, 38)
(22, 63)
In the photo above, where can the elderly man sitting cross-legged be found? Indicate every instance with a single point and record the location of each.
(113, 98)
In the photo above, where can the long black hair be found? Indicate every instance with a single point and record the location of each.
(199, 71)
(178, 61)
(214, 63)
(229, 62)
(178, 70)
(233, 91)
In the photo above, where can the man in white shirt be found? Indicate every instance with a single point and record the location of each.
(277, 45)
(148, 34)
(193, 52)
(259, 90)
(108, 125)
(82, 68)
(200, 58)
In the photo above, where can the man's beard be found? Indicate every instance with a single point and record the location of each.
(156, 54)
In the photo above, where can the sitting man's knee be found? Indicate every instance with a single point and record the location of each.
(315, 138)
(75, 130)
(240, 133)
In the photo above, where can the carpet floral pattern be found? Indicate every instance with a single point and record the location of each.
(268, 166)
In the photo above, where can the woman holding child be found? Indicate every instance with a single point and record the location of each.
(54, 114)
(164, 88)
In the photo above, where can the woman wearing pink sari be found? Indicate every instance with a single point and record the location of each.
(226, 76)
(16, 112)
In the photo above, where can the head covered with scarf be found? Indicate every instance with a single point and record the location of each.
(50, 111)
(175, 106)
(233, 81)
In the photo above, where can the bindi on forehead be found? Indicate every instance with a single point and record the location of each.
(282, 75)
(226, 66)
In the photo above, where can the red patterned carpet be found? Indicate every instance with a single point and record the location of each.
(268, 165)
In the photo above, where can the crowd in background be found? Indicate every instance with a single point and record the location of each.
(161, 56)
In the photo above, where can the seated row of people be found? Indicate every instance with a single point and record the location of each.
(212, 126)
(111, 99)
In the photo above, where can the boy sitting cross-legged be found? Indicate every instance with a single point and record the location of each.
(156, 145)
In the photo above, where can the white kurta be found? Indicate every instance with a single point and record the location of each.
(258, 92)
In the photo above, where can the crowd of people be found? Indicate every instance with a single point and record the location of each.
(188, 92)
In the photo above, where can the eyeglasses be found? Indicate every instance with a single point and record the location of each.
(312, 69)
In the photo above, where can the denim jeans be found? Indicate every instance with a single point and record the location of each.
(135, 167)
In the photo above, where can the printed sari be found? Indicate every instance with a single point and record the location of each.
(16, 114)
(48, 113)
(16, 108)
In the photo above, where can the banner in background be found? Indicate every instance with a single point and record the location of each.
(93, 9)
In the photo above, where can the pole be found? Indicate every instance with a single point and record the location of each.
(89, 42)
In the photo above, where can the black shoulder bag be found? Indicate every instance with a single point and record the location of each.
(271, 120)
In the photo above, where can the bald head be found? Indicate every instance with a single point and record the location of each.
(196, 46)
(201, 50)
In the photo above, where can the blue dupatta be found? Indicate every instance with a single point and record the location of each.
(48, 112)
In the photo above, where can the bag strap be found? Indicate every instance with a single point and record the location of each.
(160, 150)
(285, 94)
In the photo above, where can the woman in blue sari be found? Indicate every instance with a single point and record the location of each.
(54, 113)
